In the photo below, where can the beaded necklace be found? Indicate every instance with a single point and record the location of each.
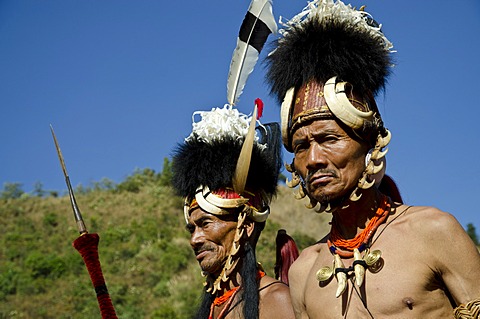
(344, 247)
(227, 298)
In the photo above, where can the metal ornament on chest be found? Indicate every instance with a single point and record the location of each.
(370, 260)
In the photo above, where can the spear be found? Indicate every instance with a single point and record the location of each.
(87, 246)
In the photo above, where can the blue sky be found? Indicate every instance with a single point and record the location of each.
(119, 81)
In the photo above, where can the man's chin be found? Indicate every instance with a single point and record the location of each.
(320, 197)
(211, 270)
(328, 197)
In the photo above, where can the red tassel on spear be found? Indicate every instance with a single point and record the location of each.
(87, 246)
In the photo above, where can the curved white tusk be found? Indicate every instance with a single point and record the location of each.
(285, 115)
(216, 286)
(225, 202)
(341, 277)
(294, 182)
(341, 107)
(377, 168)
(235, 250)
(328, 209)
(243, 163)
(363, 184)
(354, 197)
(186, 209)
(238, 235)
(260, 217)
(377, 154)
(373, 169)
(299, 194)
(289, 168)
(358, 268)
(207, 206)
(324, 209)
(229, 263)
(311, 204)
(384, 140)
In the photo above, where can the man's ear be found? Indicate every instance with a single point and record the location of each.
(249, 227)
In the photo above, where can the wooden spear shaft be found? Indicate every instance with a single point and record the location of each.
(87, 246)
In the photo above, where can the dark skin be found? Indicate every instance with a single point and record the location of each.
(430, 262)
(211, 240)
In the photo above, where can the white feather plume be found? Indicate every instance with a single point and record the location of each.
(245, 55)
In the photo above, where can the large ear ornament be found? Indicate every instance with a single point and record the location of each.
(341, 107)
(373, 169)
(205, 205)
(294, 182)
(186, 209)
(260, 216)
(224, 202)
(285, 116)
(384, 140)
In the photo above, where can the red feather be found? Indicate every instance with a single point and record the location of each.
(259, 104)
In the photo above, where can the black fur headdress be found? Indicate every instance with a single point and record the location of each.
(212, 163)
(335, 40)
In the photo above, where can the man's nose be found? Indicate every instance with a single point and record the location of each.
(196, 238)
(315, 156)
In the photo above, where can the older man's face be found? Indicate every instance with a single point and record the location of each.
(211, 239)
(328, 159)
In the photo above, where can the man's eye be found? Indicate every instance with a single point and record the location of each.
(190, 228)
(300, 147)
(330, 138)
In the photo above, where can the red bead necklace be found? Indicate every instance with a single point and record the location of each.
(228, 297)
(344, 247)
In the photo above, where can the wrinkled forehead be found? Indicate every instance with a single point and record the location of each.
(198, 213)
(315, 129)
(309, 100)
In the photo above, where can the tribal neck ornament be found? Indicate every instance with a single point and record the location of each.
(343, 248)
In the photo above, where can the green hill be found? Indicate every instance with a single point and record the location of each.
(147, 262)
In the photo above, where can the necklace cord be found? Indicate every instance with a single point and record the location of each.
(351, 279)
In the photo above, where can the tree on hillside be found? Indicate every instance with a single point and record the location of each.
(11, 190)
(166, 175)
(38, 189)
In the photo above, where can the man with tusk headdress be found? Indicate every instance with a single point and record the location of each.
(382, 258)
(227, 172)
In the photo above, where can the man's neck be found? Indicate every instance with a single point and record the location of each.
(234, 280)
(353, 217)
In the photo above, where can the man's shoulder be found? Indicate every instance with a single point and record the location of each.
(426, 217)
(275, 299)
(426, 224)
(271, 286)
(306, 259)
(309, 253)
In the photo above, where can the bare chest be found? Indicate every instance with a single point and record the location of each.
(402, 286)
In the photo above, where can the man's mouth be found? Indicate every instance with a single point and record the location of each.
(319, 178)
(201, 253)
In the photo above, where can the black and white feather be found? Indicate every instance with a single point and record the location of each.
(257, 25)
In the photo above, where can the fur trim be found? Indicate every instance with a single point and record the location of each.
(320, 47)
(213, 164)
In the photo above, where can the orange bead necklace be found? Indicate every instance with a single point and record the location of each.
(228, 297)
(344, 247)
